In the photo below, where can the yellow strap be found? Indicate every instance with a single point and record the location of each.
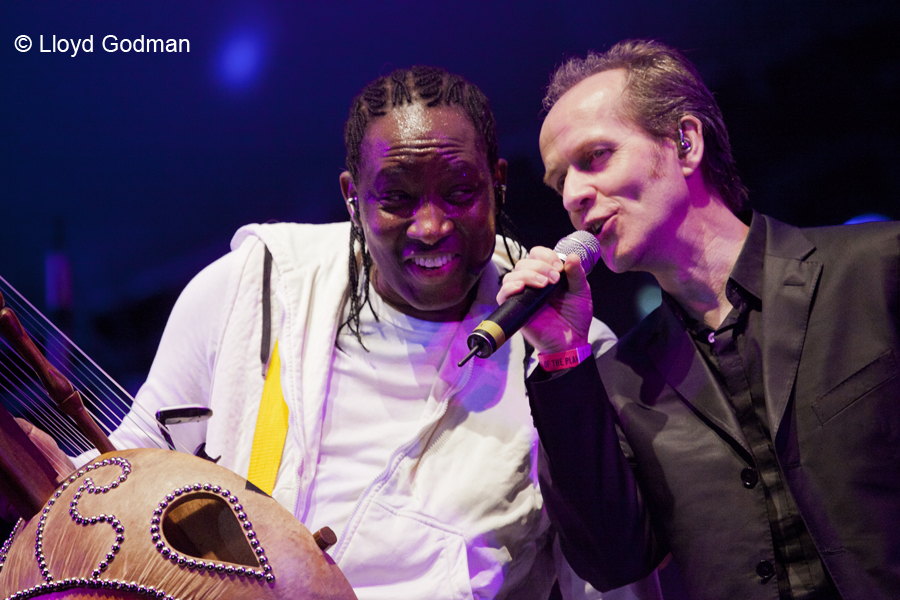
(271, 429)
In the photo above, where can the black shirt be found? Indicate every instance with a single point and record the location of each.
(734, 354)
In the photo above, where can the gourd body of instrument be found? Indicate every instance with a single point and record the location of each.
(154, 523)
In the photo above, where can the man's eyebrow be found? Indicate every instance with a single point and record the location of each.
(458, 163)
(549, 176)
(391, 172)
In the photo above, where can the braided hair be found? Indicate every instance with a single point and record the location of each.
(433, 87)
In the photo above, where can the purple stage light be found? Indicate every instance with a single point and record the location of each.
(241, 59)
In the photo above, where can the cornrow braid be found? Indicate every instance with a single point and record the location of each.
(431, 86)
(358, 296)
(429, 83)
(375, 99)
(399, 91)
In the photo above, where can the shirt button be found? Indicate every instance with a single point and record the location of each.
(712, 337)
(765, 570)
(749, 477)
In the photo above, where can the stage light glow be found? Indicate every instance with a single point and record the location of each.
(647, 299)
(241, 59)
(867, 218)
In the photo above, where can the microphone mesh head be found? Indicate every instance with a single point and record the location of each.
(582, 243)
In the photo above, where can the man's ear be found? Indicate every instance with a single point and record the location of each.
(349, 192)
(500, 172)
(690, 144)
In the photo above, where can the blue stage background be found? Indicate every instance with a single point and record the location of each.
(131, 170)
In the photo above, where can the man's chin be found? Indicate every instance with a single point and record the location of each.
(443, 305)
(614, 264)
(618, 262)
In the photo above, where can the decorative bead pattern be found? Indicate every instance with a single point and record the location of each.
(86, 487)
(264, 572)
(94, 582)
(90, 583)
(50, 585)
(8, 543)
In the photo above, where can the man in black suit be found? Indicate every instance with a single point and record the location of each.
(751, 424)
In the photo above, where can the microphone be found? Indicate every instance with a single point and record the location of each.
(509, 317)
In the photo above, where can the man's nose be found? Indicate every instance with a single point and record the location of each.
(430, 223)
(577, 191)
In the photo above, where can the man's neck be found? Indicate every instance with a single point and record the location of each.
(703, 256)
(442, 313)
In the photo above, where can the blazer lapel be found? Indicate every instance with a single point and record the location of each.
(789, 282)
(681, 365)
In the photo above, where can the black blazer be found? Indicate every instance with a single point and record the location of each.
(673, 482)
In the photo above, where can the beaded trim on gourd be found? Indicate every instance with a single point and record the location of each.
(88, 486)
(72, 583)
(8, 543)
(265, 570)
(51, 585)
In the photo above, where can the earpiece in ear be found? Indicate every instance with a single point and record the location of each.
(352, 208)
(499, 195)
(685, 144)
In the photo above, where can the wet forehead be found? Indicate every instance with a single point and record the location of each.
(591, 102)
(588, 114)
(415, 130)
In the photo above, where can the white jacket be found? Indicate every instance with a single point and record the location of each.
(457, 512)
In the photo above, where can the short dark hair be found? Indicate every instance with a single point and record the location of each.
(662, 86)
(431, 86)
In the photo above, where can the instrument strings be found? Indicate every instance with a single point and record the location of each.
(105, 400)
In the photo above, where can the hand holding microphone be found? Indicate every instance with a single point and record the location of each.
(534, 282)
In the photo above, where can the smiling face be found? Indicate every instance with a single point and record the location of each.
(617, 182)
(426, 204)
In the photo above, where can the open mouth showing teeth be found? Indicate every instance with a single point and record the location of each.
(432, 262)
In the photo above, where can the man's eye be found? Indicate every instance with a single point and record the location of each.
(459, 194)
(394, 200)
(560, 185)
(599, 156)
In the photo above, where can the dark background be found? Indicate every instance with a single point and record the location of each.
(136, 168)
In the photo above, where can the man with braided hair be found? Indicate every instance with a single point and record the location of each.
(426, 471)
